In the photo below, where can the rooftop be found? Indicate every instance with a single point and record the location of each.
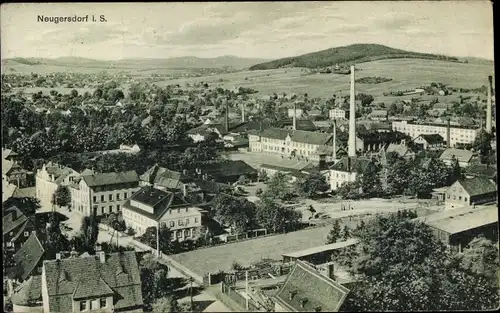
(432, 139)
(478, 186)
(357, 164)
(84, 277)
(104, 179)
(29, 292)
(306, 290)
(320, 249)
(466, 220)
(301, 136)
(27, 258)
(12, 218)
(461, 154)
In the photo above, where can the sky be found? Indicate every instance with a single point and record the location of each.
(267, 30)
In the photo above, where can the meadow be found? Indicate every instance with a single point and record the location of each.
(405, 73)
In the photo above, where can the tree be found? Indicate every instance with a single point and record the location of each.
(74, 93)
(398, 176)
(481, 257)
(279, 187)
(166, 305)
(346, 233)
(401, 266)
(262, 176)
(482, 143)
(27, 205)
(455, 172)
(312, 185)
(276, 218)
(149, 238)
(89, 232)
(62, 196)
(154, 278)
(238, 213)
(334, 234)
(370, 180)
(53, 239)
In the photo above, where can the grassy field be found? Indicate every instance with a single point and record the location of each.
(406, 74)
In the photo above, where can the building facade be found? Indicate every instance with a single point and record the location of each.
(470, 192)
(458, 134)
(151, 207)
(337, 114)
(104, 192)
(289, 143)
(49, 177)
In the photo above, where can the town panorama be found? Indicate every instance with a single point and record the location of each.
(249, 157)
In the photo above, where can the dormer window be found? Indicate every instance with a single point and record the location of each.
(102, 302)
(83, 305)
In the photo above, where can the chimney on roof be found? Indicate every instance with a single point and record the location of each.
(488, 106)
(102, 256)
(295, 115)
(352, 117)
(448, 134)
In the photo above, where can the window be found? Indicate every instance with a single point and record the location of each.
(124, 195)
(117, 196)
(102, 302)
(178, 233)
(186, 233)
(172, 223)
(83, 305)
(26, 234)
(460, 198)
(187, 221)
(196, 220)
(110, 208)
(102, 198)
(180, 222)
(118, 208)
(95, 199)
(465, 199)
(102, 210)
(110, 197)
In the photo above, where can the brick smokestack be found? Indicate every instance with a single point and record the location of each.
(243, 112)
(352, 118)
(448, 134)
(226, 119)
(295, 115)
(488, 106)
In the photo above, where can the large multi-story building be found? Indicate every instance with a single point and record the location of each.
(151, 207)
(458, 134)
(337, 114)
(294, 143)
(49, 177)
(345, 171)
(104, 192)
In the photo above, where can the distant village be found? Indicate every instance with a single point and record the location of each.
(111, 187)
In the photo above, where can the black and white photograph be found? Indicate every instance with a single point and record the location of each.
(308, 156)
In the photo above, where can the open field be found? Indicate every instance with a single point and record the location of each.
(255, 160)
(406, 74)
(246, 252)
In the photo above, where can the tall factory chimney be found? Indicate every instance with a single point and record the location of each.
(243, 112)
(334, 155)
(488, 106)
(226, 119)
(295, 115)
(448, 134)
(352, 118)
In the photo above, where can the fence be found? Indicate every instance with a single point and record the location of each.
(239, 299)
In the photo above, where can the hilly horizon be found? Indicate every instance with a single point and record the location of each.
(355, 53)
(167, 63)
